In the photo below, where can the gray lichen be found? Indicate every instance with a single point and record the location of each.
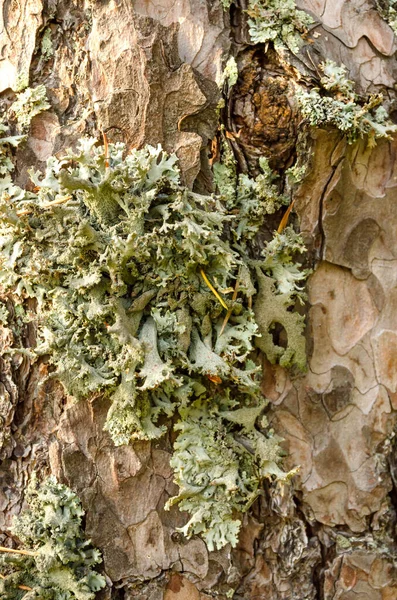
(61, 561)
(144, 291)
(47, 48)
(218, 470)
(277, 21)
(388, 10)
(337, 104)
(28, 104)
(230, 73)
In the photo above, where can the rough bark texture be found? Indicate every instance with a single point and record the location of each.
(146, 72)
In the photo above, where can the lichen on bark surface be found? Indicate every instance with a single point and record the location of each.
(332, 536)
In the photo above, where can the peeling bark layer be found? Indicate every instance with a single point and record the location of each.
(146, 72)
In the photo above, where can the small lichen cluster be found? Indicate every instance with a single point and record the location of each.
(218, 468)
(230, 73)
(337, 104)
(61, 562)
(388, 10)
(46, 46)
(28, 104)
(6, 163)
(145, 292)
(277, 21)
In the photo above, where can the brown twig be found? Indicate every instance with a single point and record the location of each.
(284, 220)
(25, 588)
(12, 551)
(106, 148)
(28, 211)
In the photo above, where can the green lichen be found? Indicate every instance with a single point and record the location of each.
(134, 276)
(47, 48)
(21, 82)
(4, 313)
(230, 73)
(343, 543)
(277, 21)
(7, 143)
(271, 309)
(28, 104)
(280, 280)
(253, 198)
(337, 104)
(388, 11)
(220, 457)
(63, 563)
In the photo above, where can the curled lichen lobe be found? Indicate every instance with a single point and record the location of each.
(144, 291)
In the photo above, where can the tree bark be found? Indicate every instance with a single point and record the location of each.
(146, 72)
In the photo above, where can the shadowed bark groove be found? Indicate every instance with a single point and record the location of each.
(147, 72)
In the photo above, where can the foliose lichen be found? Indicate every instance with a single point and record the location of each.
(337, 104)
(60, 562)
(277, 21)
(230, 73)
(47, 48)
(7, 143)
(388, 10)
(218, 468)
(144, 292)
(21, 82)
(28, 104)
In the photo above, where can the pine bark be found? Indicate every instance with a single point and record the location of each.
(146, 72)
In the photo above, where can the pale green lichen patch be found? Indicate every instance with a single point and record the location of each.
(230, 73)
(337, 104)
(277, 21)
(388, 10)
(7, 144)
(62, 564)
(22, 82)
(6, 164)
(46, 46)
(218, 470)
(135, 277)
(280, 279)
(28, 104)
(4, 313)
(271, 309)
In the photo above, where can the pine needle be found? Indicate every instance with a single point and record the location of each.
(106, 148)
(12, 551)
(284, 220)
(25, 588)
(213, 290)
(28, 211)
